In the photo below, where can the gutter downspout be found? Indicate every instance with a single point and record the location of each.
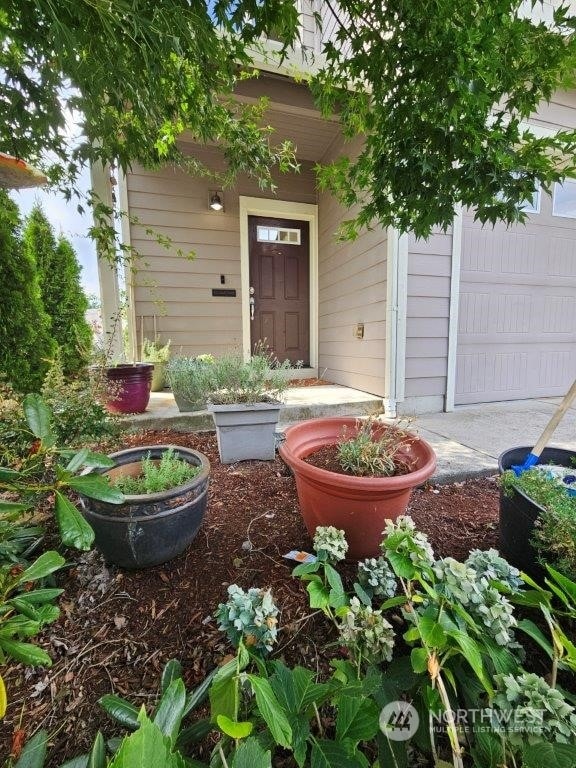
(107, 272)
(453, 310)
(396, 310)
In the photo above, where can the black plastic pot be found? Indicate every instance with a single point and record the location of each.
(518, 513)
(149, 529)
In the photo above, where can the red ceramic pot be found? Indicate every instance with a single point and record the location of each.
(132, 383)
(358, 505)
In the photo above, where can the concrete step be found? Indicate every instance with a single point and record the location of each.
(300, 403)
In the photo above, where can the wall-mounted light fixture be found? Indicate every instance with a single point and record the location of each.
(216, 198)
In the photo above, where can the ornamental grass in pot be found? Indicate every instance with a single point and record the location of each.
(158, 354)
(354, 475)
(165, 492)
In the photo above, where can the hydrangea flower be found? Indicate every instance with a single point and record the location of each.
(367, 632)
(249, 616)
(407, 540)
(377, 578)
(332, 541)
(489, 564)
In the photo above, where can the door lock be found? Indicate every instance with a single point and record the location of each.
(252, 302)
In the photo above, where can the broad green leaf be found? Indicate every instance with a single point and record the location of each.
(120, 709)
(357, 719)
(74, 529)
(194, 733)
(504, 661)
(472, 654)
(197, 696)
(96, 487)
(432, 633)
(362, 595)
(337, 597)
(319, 595)
(536, 634)
(34, 753)
(393, 602)
(39, 596)
(568, 586)
(487, 749)
(250, 754)
(271, 711)
(300, 732)
(27, 653)
(172, 671)
(39, 417)
(401, 564)
(224, 693)
(391, 754)
(305, 568)
(296, 688)
(419, 659)
(19, 626)
(23, 607)
(77, 762)
(170, 711)
(233, 728)
(91, 459)
(43, 566)
(146, 748)
(6, 507)
(8, 475)
(548, 755)
(97, 756)
(3, 698)
(77, 460)
(330, 754)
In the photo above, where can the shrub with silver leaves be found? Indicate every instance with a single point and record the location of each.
(532, 711)
(488, 563)
(249, 616)
(461, 584)
(332, 541)
(376, 577)
(367, 632)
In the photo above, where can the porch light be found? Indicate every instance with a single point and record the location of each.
(217, 201)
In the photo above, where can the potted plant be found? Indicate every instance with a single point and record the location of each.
(187, 379)
(355, 475)
(165, 491)
(128, 387)
(538, 511)
(157, 354)
(244, 398)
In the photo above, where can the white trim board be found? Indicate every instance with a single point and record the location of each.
(259, 206)
(453, 310)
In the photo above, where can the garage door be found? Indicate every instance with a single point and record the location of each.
(517, 313)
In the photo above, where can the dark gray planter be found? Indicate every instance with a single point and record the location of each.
(519, 514)
(246, 431)
(150, 529)
(187, 406)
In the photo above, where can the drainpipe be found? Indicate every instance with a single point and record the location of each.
(107, 272)
(396, 299)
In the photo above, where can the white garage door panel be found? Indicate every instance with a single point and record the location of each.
(517, 313)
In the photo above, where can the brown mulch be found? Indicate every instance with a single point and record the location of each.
(118, 628)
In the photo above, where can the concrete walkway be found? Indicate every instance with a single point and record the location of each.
(467, 441)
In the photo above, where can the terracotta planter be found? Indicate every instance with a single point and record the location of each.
(153, 528)
(358, 505)
(132, 383)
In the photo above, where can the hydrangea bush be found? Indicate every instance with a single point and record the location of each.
(368, 633)
(332, 541)
(250, 617)
(376, 577)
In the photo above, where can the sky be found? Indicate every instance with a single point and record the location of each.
(65, 218)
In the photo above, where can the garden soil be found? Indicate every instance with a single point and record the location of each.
(117, 629)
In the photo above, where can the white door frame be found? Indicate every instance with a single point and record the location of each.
(258, 206)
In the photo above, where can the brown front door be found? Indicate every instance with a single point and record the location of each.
(279, 277)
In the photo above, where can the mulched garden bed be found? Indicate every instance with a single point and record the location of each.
(117, 628)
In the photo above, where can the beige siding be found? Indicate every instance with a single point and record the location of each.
(179, 291)
(429, 267)
(560, 113)
(307, 24)
(352, 290)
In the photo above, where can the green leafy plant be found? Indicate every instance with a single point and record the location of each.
(44, 476)
(155, 352)
(374, 450)
(555, 531)
(231, 379)
(189, 376)
(157, 475)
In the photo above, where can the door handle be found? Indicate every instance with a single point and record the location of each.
(252, 302)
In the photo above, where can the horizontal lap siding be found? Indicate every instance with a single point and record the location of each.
(177, 290)
(352, 290)
(429, 269)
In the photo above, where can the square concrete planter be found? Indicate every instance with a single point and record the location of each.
(246, 431)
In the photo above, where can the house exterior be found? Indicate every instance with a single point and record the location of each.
(473, 315)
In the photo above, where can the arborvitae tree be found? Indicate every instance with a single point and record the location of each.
(69, 326)
(62, 295)
(25, 342)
